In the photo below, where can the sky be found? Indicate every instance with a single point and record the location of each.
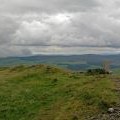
(31, 27)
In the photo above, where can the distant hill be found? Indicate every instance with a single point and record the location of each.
(74, 62)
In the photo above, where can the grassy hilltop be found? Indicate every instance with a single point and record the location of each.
(42, 92)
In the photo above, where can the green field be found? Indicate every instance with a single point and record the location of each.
(42, 92)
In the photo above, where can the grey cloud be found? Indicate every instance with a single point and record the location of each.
(49, 6)
(58, 26)
(80, 33)
(8, 27)
(8, 51)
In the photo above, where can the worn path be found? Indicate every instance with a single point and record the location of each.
(116, 114)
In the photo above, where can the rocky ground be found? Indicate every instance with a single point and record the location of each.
(109, 116)
(112, 113)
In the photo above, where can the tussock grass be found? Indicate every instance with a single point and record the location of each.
(42, 92)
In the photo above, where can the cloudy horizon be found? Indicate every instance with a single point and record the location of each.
(32, 27)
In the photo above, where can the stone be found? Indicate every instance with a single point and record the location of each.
(111, 110)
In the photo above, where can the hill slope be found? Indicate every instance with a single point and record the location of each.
(47, 93)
